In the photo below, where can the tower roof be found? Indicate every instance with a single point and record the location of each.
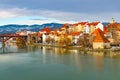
(100, 38)
(98, 30)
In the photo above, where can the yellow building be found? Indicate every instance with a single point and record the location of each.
(78, 27)
(92, 26)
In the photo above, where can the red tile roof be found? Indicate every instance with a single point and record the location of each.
(80, 23)
(75, 33)
(93, 23)
(54, 32)
(98, 30)
(112, 25)
(47, 29)
(65, 26)
(100, 38)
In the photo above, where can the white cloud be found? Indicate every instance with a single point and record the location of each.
(6, 14)
(31, 22)
(56, 16)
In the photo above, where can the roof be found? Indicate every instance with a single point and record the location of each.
(65, 25)
(75, 33)
(98, 30)
(80, 23)
(93, 23)
(112, 25)
(47, 29)
(54, 31)
(100, 38)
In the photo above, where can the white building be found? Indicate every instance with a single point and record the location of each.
(44, 37)
(100, 25)
(86, 29)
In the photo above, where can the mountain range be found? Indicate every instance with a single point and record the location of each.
(13, 28)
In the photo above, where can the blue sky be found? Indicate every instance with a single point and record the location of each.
(62, 11)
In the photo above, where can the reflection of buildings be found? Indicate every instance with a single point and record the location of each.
(64, 56)
(44, 54)
(11, 43)
(11, 47)
(114, 55)
(98, 60)
(74, 58)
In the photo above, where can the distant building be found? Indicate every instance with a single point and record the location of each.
(65, 28)
(44, 32)
(99, 41)
(95, 25)
(24, 32)
(78, 27)
(113, 32)
(112, 21)
(100, 25)
(75, 36)
(86, 29)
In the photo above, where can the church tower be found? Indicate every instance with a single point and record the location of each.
(112, 20)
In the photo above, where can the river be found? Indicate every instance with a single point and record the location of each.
(47, 63)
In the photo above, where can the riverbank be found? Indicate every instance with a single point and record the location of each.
(76, 48)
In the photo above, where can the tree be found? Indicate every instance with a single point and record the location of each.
(84, 40)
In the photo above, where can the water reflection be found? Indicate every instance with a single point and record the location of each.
(98, 60)
(62, 63)
(12, 47)
(79, 59)
(70, 57)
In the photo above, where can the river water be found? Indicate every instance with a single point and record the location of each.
(47, 63)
